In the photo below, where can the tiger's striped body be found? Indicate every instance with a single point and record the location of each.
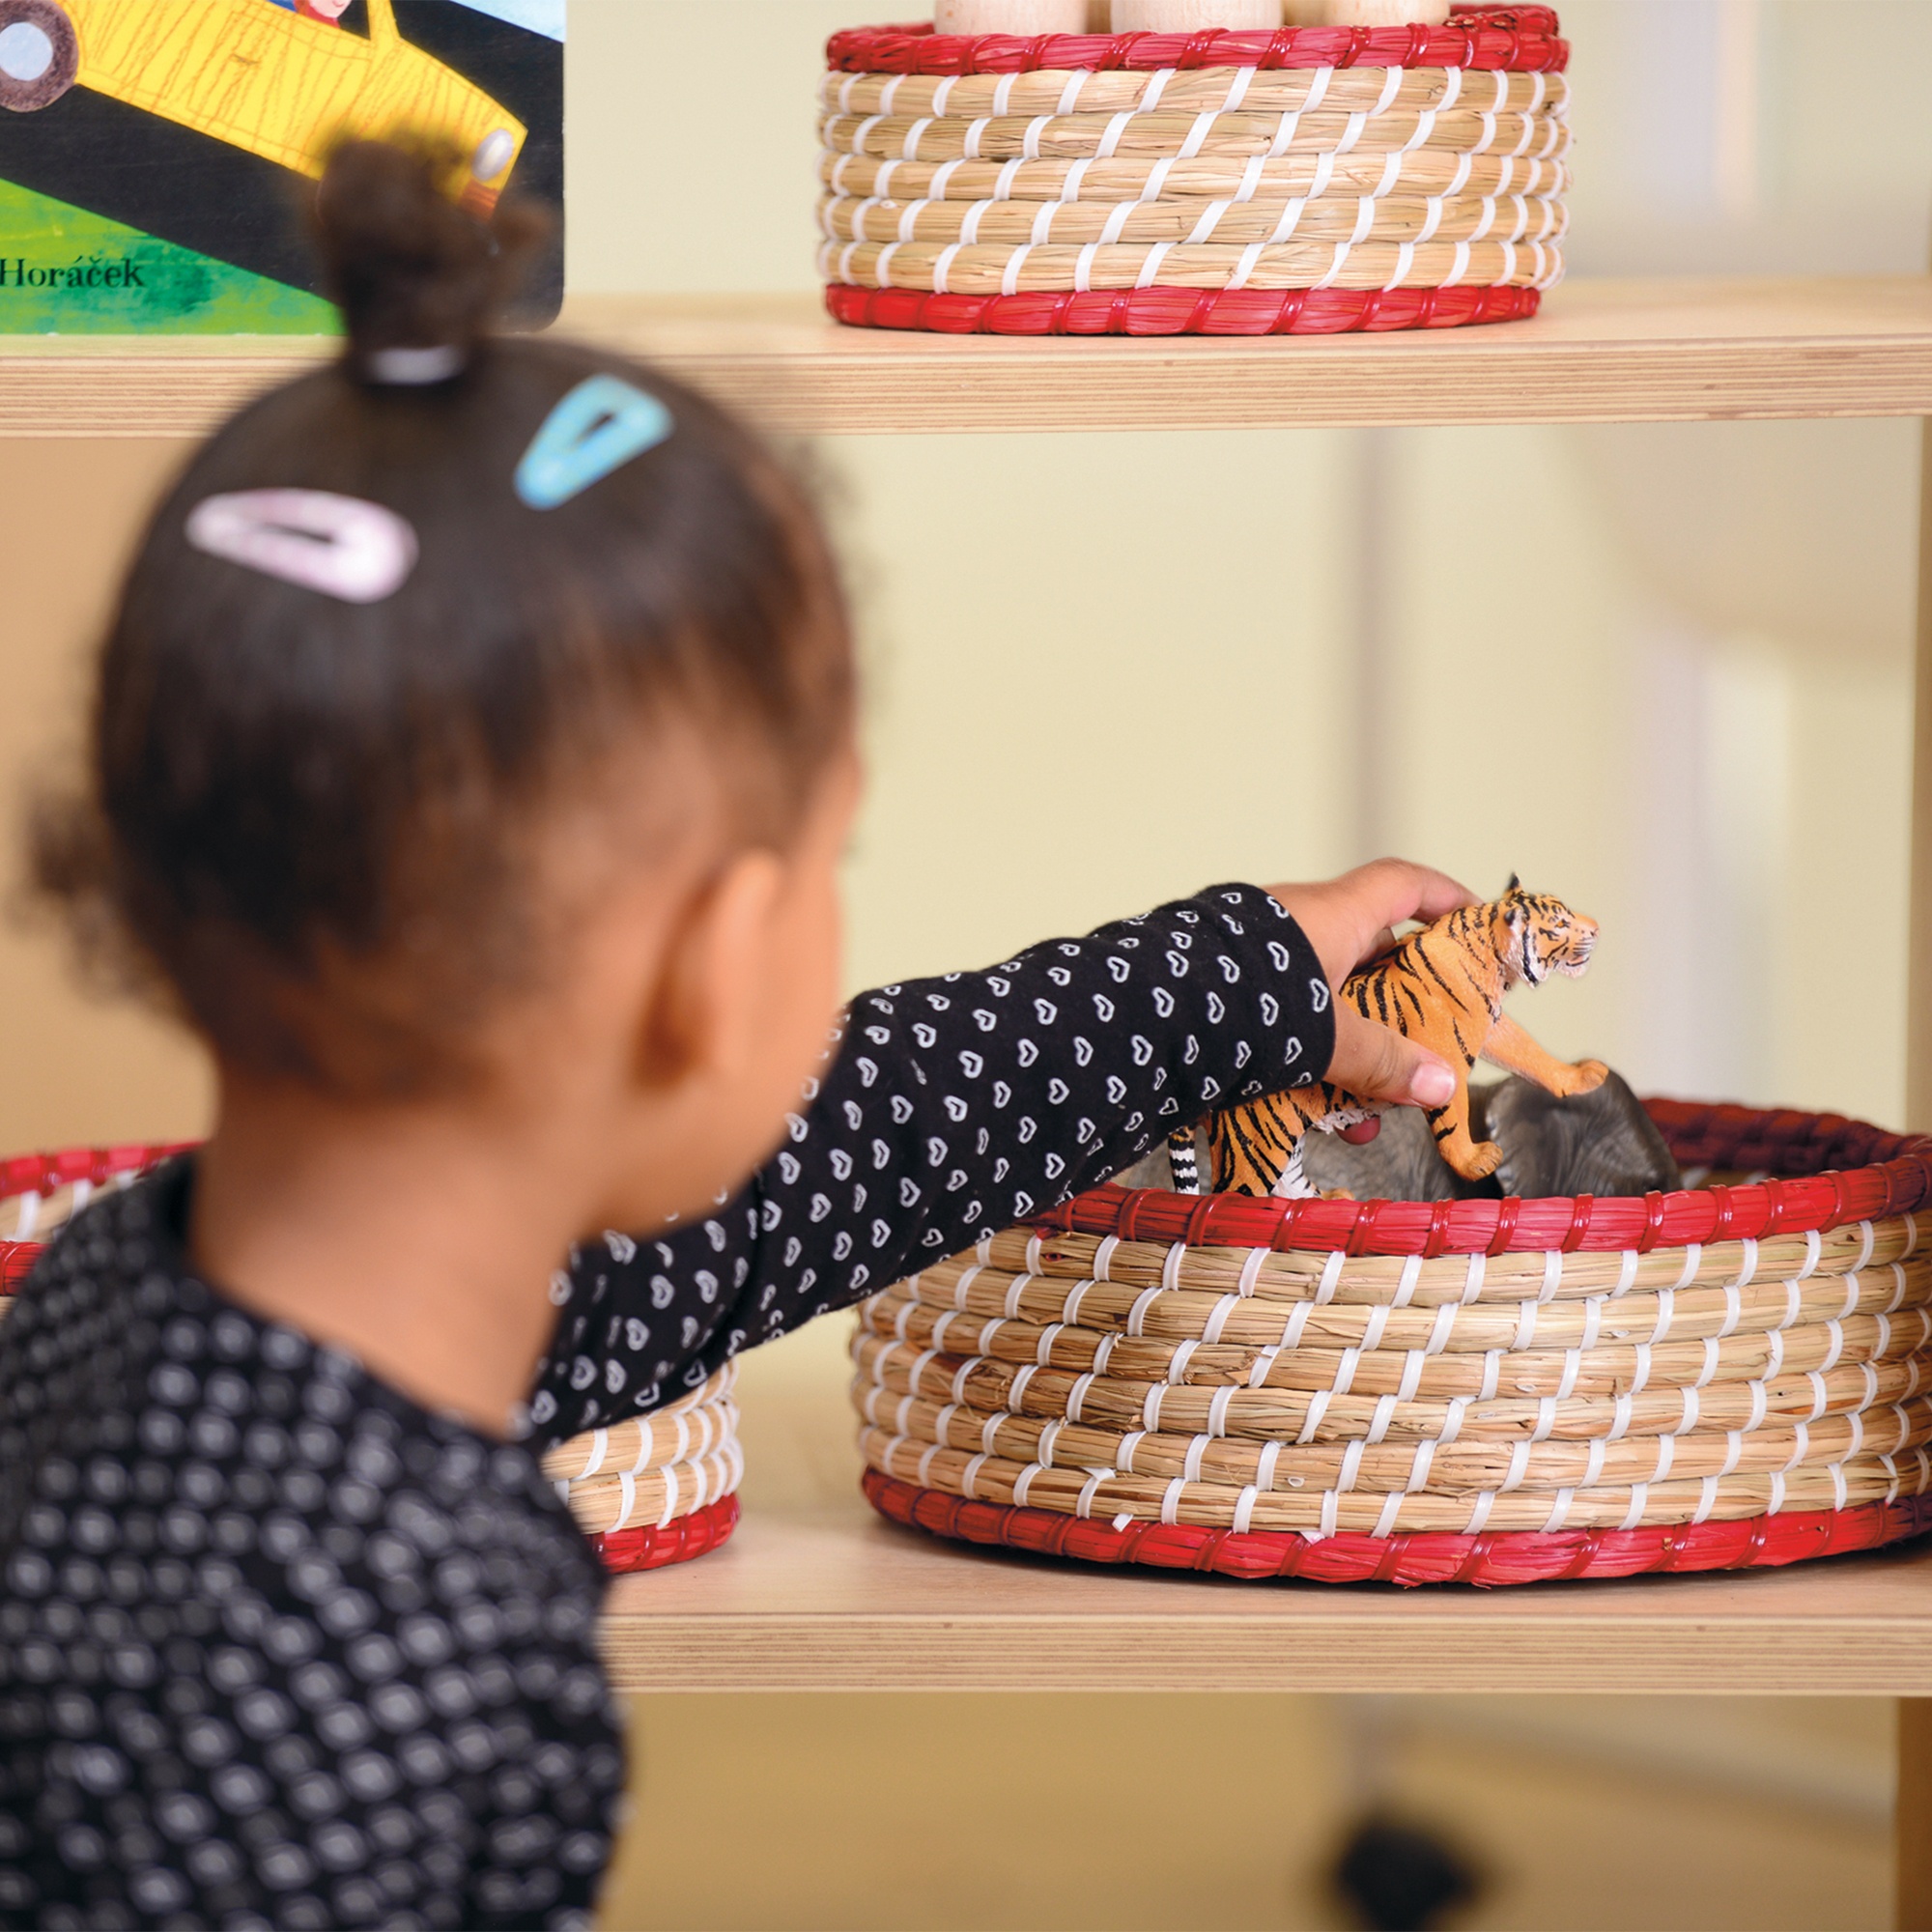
(1442, 987)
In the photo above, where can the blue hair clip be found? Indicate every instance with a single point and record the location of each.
(600, 426)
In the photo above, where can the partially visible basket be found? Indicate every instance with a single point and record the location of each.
(39, 1193)
(1477, 1391)
(662, 1487)
(656, 1490)
(1310, 179)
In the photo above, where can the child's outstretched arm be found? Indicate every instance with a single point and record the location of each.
(951, 1108)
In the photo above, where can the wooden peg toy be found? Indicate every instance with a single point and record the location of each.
(1010, 17)
(1385, 13)
(1195, 16)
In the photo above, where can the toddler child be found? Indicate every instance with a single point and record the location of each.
(470, 760)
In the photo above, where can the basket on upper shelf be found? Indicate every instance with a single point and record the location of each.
(660, 1489)
(1313, 179)
(1480, 1391)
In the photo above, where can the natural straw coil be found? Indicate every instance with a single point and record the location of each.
(674, 1434)
(1181, 1304)
(1416, 173)
(1770, 1398)
(1227, 223)
(1163, 136)
(1227, 1382)
(1393, 1462)
(1417, 1376)
(1368, 266)
(979, 176)
(656, 1497)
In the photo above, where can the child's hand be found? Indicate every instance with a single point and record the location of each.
(1351, 919)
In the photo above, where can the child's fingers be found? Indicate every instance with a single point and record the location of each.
(1344, 918)
(1384, 941)
(1395, 889)
(1379, 1064)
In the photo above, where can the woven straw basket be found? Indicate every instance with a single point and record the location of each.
(1307, 181)
(1731, 1375)
(660, 1489)
(656, 1490)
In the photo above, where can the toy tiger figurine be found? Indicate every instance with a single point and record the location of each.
(1444, 987)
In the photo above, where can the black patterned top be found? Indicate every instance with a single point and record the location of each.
(278, 1647)
(948, 1109)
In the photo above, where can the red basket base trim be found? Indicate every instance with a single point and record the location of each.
(1489, 1560)
(1179, 311)
(651, 1547)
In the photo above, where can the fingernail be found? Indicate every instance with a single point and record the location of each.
(1434, 1086)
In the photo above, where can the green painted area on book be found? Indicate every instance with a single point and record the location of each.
(64, 271)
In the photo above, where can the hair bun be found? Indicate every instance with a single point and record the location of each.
(408, 266)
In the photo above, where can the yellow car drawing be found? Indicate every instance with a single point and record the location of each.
(258, 76)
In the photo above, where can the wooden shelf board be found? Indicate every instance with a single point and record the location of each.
(818, 1593)
(1601, 351)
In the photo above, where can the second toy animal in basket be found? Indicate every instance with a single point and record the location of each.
(1444, 986)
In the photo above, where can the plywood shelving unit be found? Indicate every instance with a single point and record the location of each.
(815, 1592)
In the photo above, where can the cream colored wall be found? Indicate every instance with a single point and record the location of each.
(1661, 668)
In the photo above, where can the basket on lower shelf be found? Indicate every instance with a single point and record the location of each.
(1479, 1391)
(660, 1489)
(1313, 179)
(39, 1192)
(656, 1490)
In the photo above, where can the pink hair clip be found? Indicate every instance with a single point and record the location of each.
(340, 546)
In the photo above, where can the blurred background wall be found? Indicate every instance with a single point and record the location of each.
(1660, 668)
(1664, 670)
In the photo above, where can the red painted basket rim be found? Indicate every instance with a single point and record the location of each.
(656, 1545)
(1517, 40)
(48, 1173)
(1210, 312)
(1489, 1560)
(1824, 1171)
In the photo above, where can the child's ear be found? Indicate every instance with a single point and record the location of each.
(700, 1015)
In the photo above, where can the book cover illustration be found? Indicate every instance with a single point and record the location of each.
(154, 153)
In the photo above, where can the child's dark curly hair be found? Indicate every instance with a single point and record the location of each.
(307, 819)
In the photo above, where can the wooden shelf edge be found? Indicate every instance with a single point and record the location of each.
(820, 1596)
(1605, 351)
(1491, 1655)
